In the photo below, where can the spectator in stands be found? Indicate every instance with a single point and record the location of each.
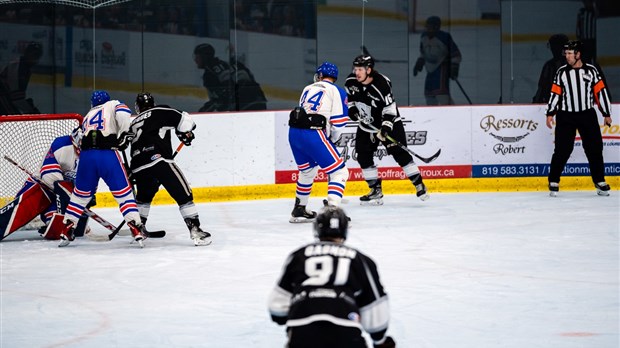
(14, 79)
(442, 58)
(586, 30)
(230, 86)
(556, 45)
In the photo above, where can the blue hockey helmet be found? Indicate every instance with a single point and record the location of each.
(332, 222)
(327, 69)
(99, 97)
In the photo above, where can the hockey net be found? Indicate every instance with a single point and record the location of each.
(26, 139)
(91, 4)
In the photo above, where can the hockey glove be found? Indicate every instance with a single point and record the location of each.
(388, 343)
(419, 65)
(386, 129)
(354, 113)
(124, 140)
(454, 71)
(186, 137)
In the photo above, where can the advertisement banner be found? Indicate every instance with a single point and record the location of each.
(472, 141)
(443, 141)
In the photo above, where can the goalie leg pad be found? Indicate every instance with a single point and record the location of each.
(55, 227)
(32, 202)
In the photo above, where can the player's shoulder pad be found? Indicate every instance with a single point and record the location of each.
(61, 141)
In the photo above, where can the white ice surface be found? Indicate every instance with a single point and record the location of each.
(462, 270)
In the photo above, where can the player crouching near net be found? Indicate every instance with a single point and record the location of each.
(40, 195)
(152, 161)
(314, 128)
(106, 130)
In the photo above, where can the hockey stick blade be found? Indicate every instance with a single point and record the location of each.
(106, 237)
(429, 159)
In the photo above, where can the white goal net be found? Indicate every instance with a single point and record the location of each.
(92, 4)
(26, 139)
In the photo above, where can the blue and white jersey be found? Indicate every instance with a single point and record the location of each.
(327, 99)
(112, 117)
(60, 161)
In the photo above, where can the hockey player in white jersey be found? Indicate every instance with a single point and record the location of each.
(314, 128)
(105, 129)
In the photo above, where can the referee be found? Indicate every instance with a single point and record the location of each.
(576, 87)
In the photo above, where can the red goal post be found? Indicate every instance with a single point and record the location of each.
(26, 139)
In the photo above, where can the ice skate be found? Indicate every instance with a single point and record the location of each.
(138, 232)
(374, 197)
(199, 236)
(66, 236)
(602, 188)
(301, 214)
(554, 189)
(421, 191)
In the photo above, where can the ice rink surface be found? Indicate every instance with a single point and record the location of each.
(472, 270)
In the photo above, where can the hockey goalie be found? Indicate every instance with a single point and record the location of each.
(48, 195)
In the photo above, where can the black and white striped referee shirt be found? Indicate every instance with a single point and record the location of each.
(577, 89)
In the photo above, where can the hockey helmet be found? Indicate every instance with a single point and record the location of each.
(34, 50)
(332, 222)
(574, 45)
(433, 23)
(556, 44)
(204, 50)
(144, 101)
(99, 97)
(364, 61)
(327, 69)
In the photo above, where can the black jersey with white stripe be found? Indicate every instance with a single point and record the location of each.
(375, 101)
(332, 282)
(578, 89)
(151, 143)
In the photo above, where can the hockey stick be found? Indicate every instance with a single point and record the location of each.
(87, 211)
(365, 52)
(423, 159)
(462, 90)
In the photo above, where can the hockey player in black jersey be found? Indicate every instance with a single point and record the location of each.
(372, 103)
(152, 162)
(329, 292)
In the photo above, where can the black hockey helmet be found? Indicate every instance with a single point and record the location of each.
(556, 44)
(332, 222)
(433, 23)
(364, 60)
(144, 101)
(34, 50)
(574, 45)
(204, 50)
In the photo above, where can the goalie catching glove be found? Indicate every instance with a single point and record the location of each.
(386, 129)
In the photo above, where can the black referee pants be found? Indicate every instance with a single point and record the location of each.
(567, 123)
